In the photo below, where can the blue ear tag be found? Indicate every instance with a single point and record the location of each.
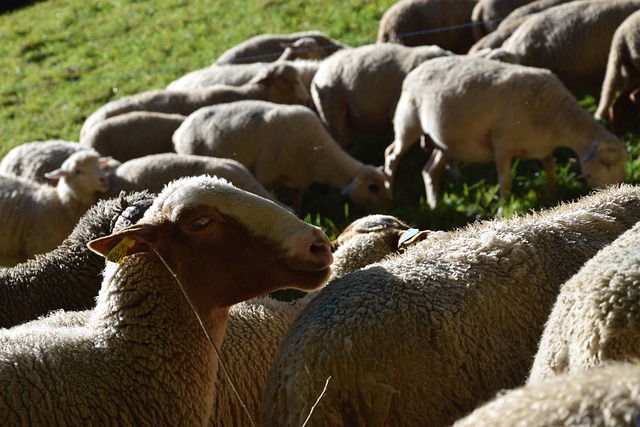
(407, 235)
(119, 251)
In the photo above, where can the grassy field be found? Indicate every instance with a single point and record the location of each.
(62, 59)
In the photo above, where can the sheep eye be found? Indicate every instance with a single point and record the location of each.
(199, 224)
(373, 188)
(79, 171)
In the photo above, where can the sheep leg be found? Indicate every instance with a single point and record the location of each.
(407, 131)
(549, 166)
(503, 166)
(431, 175)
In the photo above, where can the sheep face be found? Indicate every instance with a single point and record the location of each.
(370, 189)
(285, 86)
(211, 233)
(604, 163)
(84, 172)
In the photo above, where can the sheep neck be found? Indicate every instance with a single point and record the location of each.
(330, 164)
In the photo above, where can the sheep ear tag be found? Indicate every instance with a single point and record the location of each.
(112, 251)
(119, 251)
(411, 237)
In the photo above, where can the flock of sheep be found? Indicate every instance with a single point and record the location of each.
(532, 320)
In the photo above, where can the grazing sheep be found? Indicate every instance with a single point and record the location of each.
(146, 353)
(443, 23)
(32, 160)
(531, 114)
(239, 74)
(622, 72)
(595, 318)
(36, 218)
(606, 396)
(281, 145)
(488, 14)
(67, 277)
(423, 337)
(269, 47)
(256, 327)
(131, 135)
(303, 48)
(277, 83)
(154, 171)
(357, 89)
(572, 39)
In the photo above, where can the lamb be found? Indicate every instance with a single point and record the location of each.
(281, 145)
(442, 23)
(67, 277)
(622, 72)
(131, 135)
(572, 40)
(154, 171)
(606, 396)
(268, 47)
(256, 327)
(342, 87)
(277, 82)
(443, 92)
(35, 218)
(423, 337)
(32, 160)
(595, 318)
(146, 353)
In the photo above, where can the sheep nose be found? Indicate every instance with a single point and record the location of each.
(313, 251)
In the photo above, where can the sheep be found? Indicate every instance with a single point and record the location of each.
(32, 160)
(303, 48)
(131, 135)
(268, 47)
(442, 23)
(443, 92)
(239, 74)
(423, 337)
(67, 277)
(606, 396)
(281, 145)
(342, 87)
(488, 14)
(256, 327)
(622, 72)
(146, 354)
(154, 171)
(277, 82)
(572, 40)
(36, 218)
(595, 318)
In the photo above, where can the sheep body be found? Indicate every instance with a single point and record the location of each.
(594, 319)
(281, 145)
(423, 337)
(142, 357)
(443, 92)
(36, 218)
(269, 47)
(606, 396)
(428, 22)
(341, 88)
(572, 39)
(131, 135)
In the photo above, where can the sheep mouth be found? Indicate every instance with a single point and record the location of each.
(317, 258)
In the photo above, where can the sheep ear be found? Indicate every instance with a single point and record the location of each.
(104, 161)
(56, 174)
(591, 153)
(126, 241)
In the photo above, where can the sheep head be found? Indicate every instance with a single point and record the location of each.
(604, 163)
(370, 189)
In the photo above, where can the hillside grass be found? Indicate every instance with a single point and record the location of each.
(62, 59)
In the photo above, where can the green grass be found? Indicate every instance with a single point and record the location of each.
(62, 59)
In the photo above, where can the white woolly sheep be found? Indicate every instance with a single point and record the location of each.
(443, 23)
(154, 171)
(622, 72)
(444, 92)
(269, 47)
(423, 337)
(146, 352)
(67, 277)
(256, 327)
(342, 88)
(488, 14)
(36, 218)
(131, 135)
(32, 160)
(595, 318)
(276, 82)
(281, 145)
(606, 396)
(572, 39)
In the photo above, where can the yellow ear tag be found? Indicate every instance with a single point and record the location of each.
(119, 251)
